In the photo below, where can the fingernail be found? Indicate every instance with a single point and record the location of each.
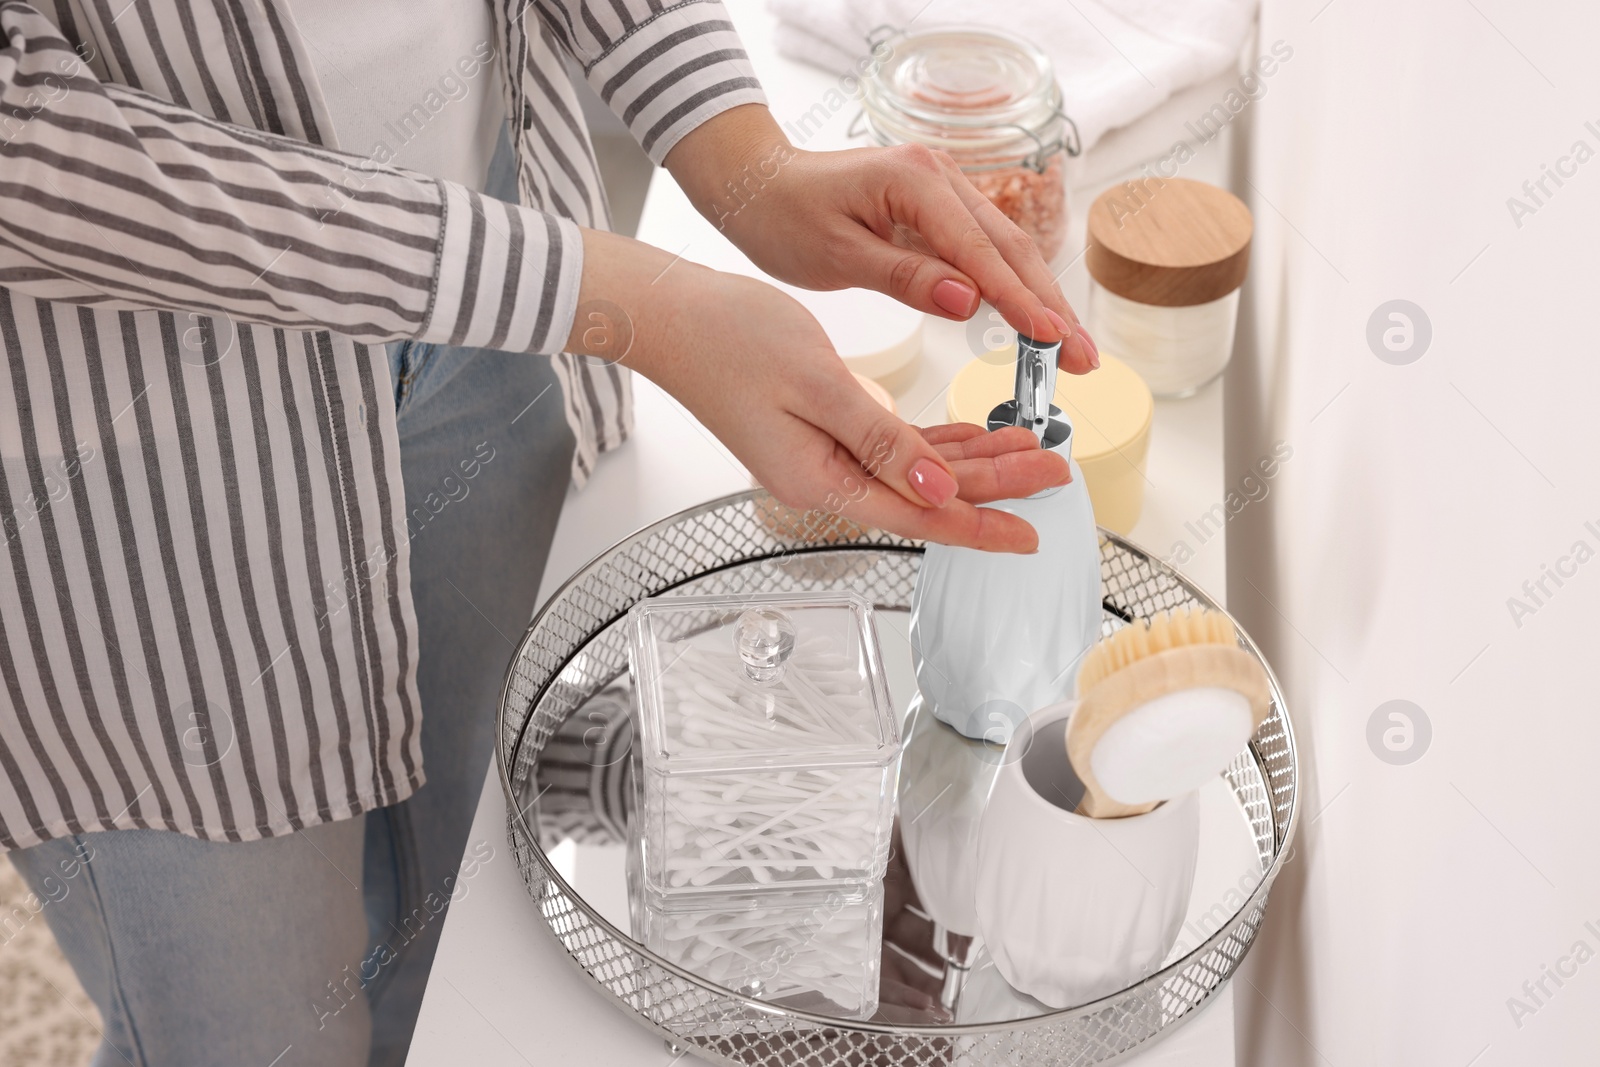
(932, 482)
(1059, 323)
(1094, 349)
(957, 298)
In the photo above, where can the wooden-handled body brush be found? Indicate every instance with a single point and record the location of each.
(1163, 705)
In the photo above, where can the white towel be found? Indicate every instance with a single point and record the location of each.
(1115, 59)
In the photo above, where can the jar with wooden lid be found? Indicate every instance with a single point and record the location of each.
(1166, 259)
(991, 101)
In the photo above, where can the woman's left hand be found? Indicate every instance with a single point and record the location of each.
(903, 220)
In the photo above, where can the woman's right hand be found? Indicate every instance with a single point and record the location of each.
(759, 372)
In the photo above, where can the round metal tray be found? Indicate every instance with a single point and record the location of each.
(573, 650)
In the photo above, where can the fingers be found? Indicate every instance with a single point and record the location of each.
(1010, 476)
(1003, 464)
(917, 279)
(926, 197)
(1085, 355)
(964, 263)
(842, 490)
(984, 444)
(872, 503)
(957, 523)
(891, 452)
(951, 432)
(1078, 351)
(940, 464)
(924, 484)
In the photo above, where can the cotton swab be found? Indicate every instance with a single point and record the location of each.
(823, 819)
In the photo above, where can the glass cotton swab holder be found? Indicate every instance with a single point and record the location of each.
(765, 765)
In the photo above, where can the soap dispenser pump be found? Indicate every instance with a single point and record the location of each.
(997, 636)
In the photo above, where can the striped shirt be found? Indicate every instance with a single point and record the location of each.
(205, 612)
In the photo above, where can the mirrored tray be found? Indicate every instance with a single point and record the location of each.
(562, 754)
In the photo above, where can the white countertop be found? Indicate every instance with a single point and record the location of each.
(502, 990)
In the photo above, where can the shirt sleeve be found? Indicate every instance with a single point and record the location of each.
(662, 69)
(112, 197)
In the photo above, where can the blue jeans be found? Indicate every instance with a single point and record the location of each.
(315, 948)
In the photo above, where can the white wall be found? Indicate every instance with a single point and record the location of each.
(1418, 499)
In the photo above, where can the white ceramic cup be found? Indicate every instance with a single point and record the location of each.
(1073, 909)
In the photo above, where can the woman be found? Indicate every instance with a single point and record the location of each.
(238, 567)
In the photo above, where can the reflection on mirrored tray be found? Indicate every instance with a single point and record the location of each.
(885, 932)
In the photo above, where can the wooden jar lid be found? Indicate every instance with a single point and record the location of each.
(1169, 242)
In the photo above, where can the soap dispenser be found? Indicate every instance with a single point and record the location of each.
(993, 638)
(997, 636)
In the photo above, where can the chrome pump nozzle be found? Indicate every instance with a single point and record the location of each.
(1035, 388)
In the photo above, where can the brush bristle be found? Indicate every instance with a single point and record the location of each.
(1146, 637)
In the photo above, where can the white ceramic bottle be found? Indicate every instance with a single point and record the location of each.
(993, 638)
(997, 636)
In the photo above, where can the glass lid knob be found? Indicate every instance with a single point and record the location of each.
(764, 639)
